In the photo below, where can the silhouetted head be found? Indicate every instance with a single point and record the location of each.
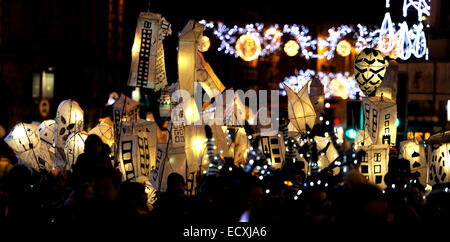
(106, 183)
(93, 144)
(175, 184)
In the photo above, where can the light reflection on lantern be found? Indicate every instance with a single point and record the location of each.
(343, 48)
(248, 47)
(291, 48)
(204, 44)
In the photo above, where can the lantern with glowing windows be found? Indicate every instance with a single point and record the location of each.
(414, 152)
(248, 47)
(380, 117)
(168, 160)
(74, 147)
(24, 140)
(439, 158)
(147, 64)
(104, 130)
(273, 148)
(374, 164)
(291, 48)
(124, 109)
(370, 67)
(301, 111)
(47, 135)
(344, 48)
(69, 119)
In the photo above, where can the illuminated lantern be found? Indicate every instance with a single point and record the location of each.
(363, 138)
(338, 87)
(147, 65)
(124, 109)
(380, 117)
(439, 158)
(168, 160)
(151, 193)
(240, 146)
(236, 113)
(164, 105)
(327, 151)
(24, 140)
(291, 48)
(195, 146)
(317, 96)
(47, 135)
(207, 78)
(204, 44)
(301, 111)
(374, 164)
(74, 147)
(370, 66)
(69, 119)
(273, 148)
(104, 130)
(248, 47)
(414, 152)
(344, 48)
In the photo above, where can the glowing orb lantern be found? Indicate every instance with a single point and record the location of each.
(338, 88)
(343, 48)
(291, 48)
(248, 47)
(370, 67)
(204, 44)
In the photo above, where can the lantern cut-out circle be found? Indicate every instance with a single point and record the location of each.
(248, 47)
(370, 67)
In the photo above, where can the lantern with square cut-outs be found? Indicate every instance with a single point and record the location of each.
(24, 140)
(374, 164)
(124, 109)
(370, 67)
(439, 163)
(273, 148)
(414, 152)
(147, 65)
(380, 120)
(69, 119)
(149, 129)
(74, 147)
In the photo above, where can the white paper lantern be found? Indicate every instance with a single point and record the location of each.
(207, 78)
(168, 160)
(47, 135)
(374, 164)
(147, 65)
(74, 147)
(325, 146)
(414, 152)
(439, 163)
(300, 109)
(104, 130)
(124, 109)
(273, 148)
(380, 119)
(24, 140)
(69, 119)
(363, 138)
(370, 67)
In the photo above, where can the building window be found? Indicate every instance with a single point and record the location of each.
(377, 157)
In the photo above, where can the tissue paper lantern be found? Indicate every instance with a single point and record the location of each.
(147, 61)
(47, 135)
(374, 164)
(325, 146)
(414, 152)
(104, 130)
(273, 148)
(124, 109)
(24, 140)
(168, 160)
(69, 119)
(370, 67)
(300, 109)
(149, 129)
(74, 147)
(363, 138)
(207, 78)
(195, 146)
(380, 119)
(439, 163)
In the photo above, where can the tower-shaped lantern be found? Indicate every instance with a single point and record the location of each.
(374, 164)
(439, 158)
(414, 152)
(147, 65)
(301, 111)
(380, 119)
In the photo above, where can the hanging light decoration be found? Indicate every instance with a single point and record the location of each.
(204, 44)
(343, 48)
(338, 87)
(291, 48)
(248, 47)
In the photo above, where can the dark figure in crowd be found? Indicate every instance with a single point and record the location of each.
(132, 195)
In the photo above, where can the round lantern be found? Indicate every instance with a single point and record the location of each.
(291, 48)
(74, 147)
(370, 67)
(23, 137)
(204, 44)
(248, 47)
(338, 88)
(104, 130)
(343, 48)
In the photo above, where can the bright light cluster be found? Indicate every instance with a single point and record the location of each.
(336, 84)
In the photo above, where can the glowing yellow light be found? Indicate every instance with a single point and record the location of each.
(343, 48)
(385, 42)
(291, 48)
(136, 45)
(274, 33)
(288, 183)
(338, 88)
(204, 44)
(198, 144)
(248, 47)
